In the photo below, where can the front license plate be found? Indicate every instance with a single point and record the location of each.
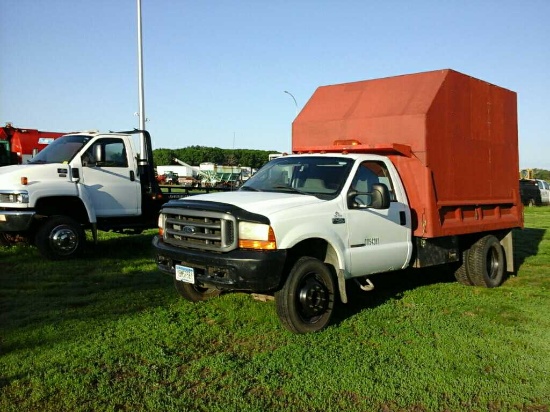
(185, 274)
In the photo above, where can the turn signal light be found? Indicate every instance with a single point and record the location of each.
(24, 181)
(349, 142)
(257, 244)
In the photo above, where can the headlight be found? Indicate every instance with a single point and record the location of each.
(256, 236)
(20, 196)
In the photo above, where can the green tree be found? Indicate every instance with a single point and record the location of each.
(541, 174)
(195, 155)
(163, 156)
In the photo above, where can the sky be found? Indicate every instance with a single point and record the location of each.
(216, 72)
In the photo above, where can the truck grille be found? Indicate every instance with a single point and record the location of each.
(200, 230)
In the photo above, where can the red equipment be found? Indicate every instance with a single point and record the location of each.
(19, 145)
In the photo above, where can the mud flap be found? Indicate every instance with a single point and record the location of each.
(342, 286)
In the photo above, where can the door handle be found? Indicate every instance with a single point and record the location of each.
(402, 218)
(132, 175)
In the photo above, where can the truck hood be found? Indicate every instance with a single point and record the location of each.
(263, 203)
(11, 175)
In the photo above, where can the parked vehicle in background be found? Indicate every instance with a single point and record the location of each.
(381, 178)
(529, 192)
(171, 178)
(18, 145)
(544, 188)
(80, 181)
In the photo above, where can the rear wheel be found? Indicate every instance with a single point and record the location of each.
(305, 302)
(486, 262)
(195, 293)
(60, 237)
(462, 274)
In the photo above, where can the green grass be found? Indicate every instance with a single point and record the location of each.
(108, 332)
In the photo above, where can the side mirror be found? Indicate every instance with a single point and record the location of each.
(377, 198)
(380, 196)
(98, 153)
(75, 174)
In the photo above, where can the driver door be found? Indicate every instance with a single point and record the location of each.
(110, 182)
(379, 239)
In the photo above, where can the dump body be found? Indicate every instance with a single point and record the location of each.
(452, 138)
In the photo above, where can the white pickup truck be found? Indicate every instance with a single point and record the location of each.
(379, 181)
(544, 188)
(80, 181)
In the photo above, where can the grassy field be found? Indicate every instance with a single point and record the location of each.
(108, 332)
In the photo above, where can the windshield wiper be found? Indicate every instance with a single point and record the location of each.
(290, 189)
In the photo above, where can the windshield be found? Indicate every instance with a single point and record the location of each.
(61, 150)
(319, 176)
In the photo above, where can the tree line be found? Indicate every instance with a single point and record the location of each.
(537, 174)
(195, 155)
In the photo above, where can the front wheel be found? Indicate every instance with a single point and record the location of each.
(195, 293)
(305, 302)
(486, 262)
(60, 237)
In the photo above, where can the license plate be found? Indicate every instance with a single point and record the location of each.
(185, 274)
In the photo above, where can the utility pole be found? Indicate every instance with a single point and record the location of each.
(141, 113)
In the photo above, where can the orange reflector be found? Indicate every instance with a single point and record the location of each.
(257, 244)
(24, 181)
(349, 142)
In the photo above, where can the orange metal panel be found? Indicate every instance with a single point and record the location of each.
(25, 140)
(460, 168)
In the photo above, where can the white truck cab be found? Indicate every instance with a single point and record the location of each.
(349, 211)
(83, 180)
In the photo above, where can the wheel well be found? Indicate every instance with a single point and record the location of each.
(62, 205)
(314, 247)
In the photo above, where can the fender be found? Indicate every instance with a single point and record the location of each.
(87, 202)
(84, 196)
(336, 250)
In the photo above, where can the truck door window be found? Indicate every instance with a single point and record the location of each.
(367, 174)
(113, 154)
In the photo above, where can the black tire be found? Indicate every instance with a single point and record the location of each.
(462, 273)
(195, 293)
(306, 300)
(60, 237)
(531, 203)
(486, 262)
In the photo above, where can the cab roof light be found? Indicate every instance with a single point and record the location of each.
(347, 142)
